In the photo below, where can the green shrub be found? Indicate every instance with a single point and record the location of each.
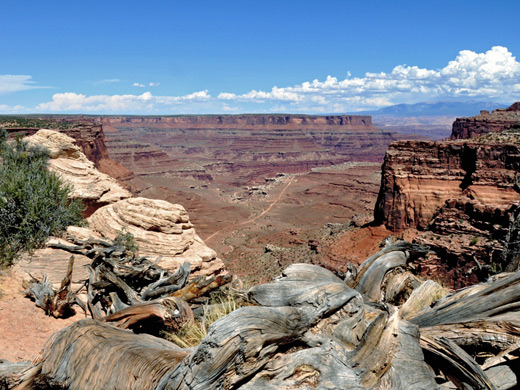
(127, 240)
(34, 202)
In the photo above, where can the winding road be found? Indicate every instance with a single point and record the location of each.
(258, 216)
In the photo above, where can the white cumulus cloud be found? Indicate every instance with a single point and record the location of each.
(493, 74)
(18, 109)
(145, 102)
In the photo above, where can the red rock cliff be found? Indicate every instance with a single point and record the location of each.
(419, 177)
(462, 195)
(258, 121)
(498, 120)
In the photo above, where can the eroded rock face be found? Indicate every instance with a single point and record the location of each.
(90, 138)
(496, 121)
(470, 240)
(68, 161)
(160, 229)
(461, 194)
(419, 177)
(242, 148)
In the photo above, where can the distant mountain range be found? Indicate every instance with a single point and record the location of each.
(446, 108)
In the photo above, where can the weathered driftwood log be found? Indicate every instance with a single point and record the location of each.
(93, 355)
(9, 373)
(311, 330)
(57, 303)
(151, 317)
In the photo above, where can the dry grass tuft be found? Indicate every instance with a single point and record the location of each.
(220, 305)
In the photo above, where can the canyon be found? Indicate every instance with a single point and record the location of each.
(252, 182)
(315, 203)
(241, 149)
(267, 190)
(248, 182)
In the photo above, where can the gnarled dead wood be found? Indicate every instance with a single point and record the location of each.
(57, 303)
(200, 286)
(168, 284)
(10, 373)
(487, 301)
(422, 297)
(311, 330)
(93, 355)
(409, 251)
(458, 366)
(151, 317)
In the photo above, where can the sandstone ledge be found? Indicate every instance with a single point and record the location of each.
(67, 160)
(161, 229)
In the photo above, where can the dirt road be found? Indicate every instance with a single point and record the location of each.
(249, 220)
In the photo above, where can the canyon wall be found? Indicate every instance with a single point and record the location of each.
(247, 147)
(496, 121)
(419, 177)
(239, 122)
(91, 139)
(462, 195)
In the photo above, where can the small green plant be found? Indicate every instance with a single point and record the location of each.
(474, 241)
(34, 202)
(127, 240)
(496, 268)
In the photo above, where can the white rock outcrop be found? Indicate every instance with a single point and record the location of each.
(160, 228)
(69, 162)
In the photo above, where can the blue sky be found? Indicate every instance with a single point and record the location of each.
(184, 57)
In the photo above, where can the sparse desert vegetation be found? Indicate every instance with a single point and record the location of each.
(34, 203)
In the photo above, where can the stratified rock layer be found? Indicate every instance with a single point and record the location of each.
(418, 178)
(90, 138)
(462, 196)
(161, 229)
(67, 160)
(496, 121)
(242, 148)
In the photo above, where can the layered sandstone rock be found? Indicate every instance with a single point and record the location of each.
(469, 239)
(67, 160)
(242, 148)
(418, 178)
(461, 194)
(496, 121)
(90, 138)
(161, 229)
(245, 120)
